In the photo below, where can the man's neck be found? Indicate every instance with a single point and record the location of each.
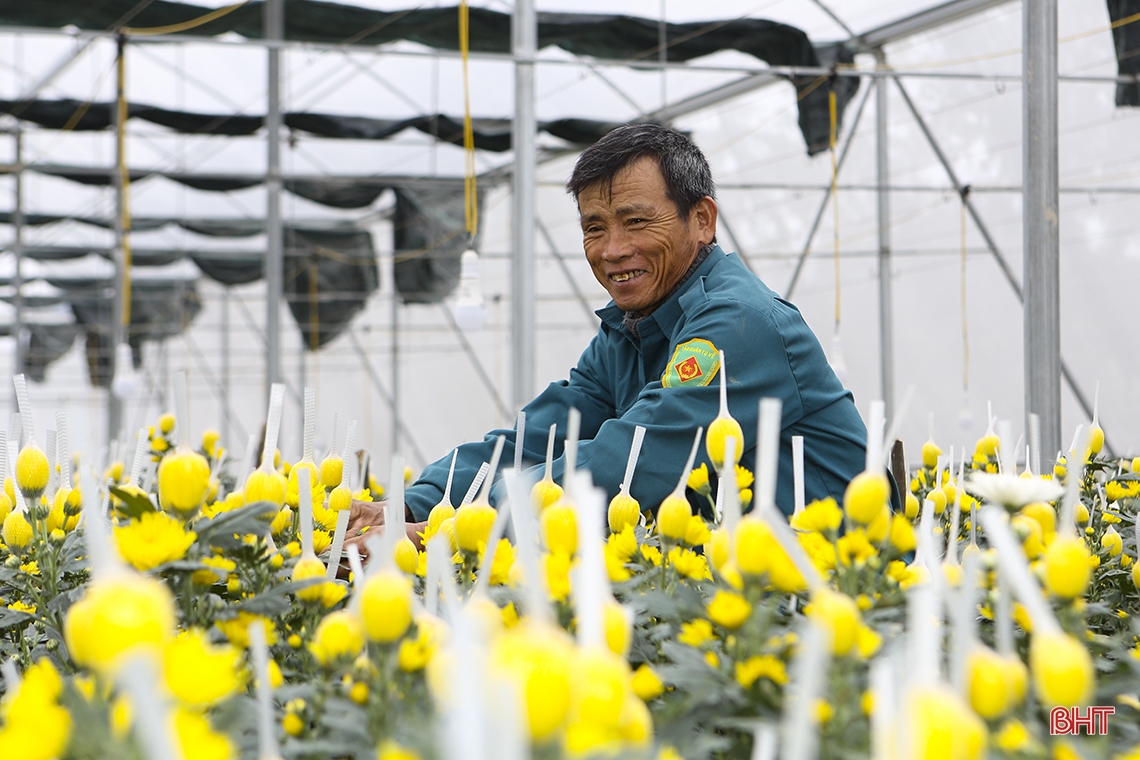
(631, 319)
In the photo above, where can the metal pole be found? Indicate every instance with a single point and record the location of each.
(274, 21)
(524, 32)
(18, 248)
(118, 330)
(1040, 240)
(886, 319)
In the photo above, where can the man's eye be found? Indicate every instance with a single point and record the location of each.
(637, 220)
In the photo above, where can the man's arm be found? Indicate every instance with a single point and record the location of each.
(584, 391)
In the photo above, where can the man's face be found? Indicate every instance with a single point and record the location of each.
(635, 242)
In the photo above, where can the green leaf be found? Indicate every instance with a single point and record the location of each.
(220, 530)
(276, 601)
(9, 618)
(133, 505)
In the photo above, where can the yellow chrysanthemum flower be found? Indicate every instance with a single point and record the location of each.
(201, 674)
(152, 540)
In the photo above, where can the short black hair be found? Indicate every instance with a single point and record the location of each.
(687, 176)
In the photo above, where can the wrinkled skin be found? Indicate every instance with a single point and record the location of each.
(632, 230)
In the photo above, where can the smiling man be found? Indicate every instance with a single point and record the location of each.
(647, 205)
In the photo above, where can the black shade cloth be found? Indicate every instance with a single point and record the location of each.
(328, 278)
(46, 343)
(1126, 39)
(613, 37)
(429, 234)
(158, 311)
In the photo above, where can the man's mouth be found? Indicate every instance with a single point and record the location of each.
(625, 276)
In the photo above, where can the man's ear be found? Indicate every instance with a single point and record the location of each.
(704, 217)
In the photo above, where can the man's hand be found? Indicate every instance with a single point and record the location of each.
(369, 514)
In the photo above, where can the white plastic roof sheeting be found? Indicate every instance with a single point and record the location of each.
(752, 143)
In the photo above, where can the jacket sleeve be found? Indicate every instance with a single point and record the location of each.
(583, 391)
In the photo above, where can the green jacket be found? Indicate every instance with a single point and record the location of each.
(665, 379)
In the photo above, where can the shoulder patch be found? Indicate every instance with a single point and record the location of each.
(694, 363)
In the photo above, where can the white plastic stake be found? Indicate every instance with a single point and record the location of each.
(25, 407)
(896, 425)
(450, 477)
(50, 451)
(394, 504)
(267, 748)
(800, 737)
(305, 502)
(875, 436)
(520, 435)
(182, 411)
(631, 463)
(272, 424)
(152, 726)
(591, 582)
(680, 489)
(1035, 443)
(727, 493)
(336, 550)
(723, 387)
(526, 543)
(570, 451)
(356, 566)
(310, 434)
(62, 449)
(492, 468)
(140, 456)
(1075, 466)
(767, 452)
(550, 452)
(349, 452)
(476, 483)
(487, 562)
(798, 472)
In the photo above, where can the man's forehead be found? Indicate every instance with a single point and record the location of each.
(641, 177)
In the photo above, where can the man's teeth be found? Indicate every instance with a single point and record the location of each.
(626, 275)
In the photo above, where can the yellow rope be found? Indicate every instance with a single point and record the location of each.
(206, 18)
(471, 206)
(125, 184)
(965, 314)
(832, 113)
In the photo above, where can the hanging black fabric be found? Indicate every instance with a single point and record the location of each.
(429, 234)
(159, 310)
(328, 278)
(1126, 39)
(231, 269)
(611, 37)
(46, 343)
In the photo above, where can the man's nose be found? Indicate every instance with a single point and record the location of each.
(618, 245)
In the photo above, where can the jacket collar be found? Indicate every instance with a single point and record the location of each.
(669, 313)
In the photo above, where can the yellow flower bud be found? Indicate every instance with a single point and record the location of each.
(865, 496)
(1062, 670)
(646, 683)
(1029, 532)
(720, 430)
(305, 569)
(386, 606)
(617, 625)
(1111, 542)
(545, 493)
(265, 486)
(473, 526)
(902, 534)
(17, 531)
(165, 423)
(32, 472)
(210, 440)
(560, 529)
(1067, 567)
(987, 683)
(183, 479)
(1096, 439)
(673, 517)
(729, 610)
(199, 673)
(941, 725)
(717, 547)
(938, 496)
(1045, 516)
(540, 663)
(406, 555)
(332, 470)
(839, 614)
(117, 615)
(911, 506)
(624, 510)
(930, 454)
(5, 506)
(339, 637)
(754, 543)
